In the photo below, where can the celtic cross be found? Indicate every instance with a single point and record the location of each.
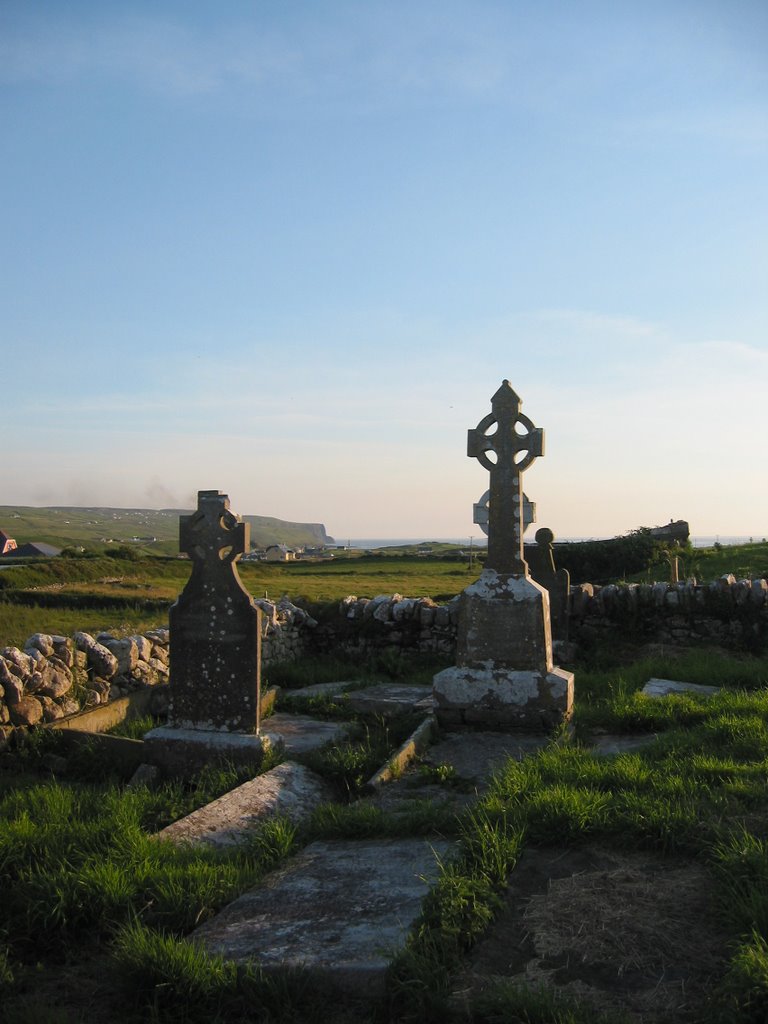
(505, 442)
(213, 537)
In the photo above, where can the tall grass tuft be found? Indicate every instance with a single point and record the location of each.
(510, 1003)
(740, 862)
(178, 981)
(744, 990)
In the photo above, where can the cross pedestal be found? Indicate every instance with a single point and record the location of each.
(504, 675)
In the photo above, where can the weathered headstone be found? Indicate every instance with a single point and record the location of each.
(504, 675)
(215, 648)
(215, 642)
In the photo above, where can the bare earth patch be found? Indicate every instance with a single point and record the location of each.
(620, 931)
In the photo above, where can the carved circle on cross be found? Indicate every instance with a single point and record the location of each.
(486, 434)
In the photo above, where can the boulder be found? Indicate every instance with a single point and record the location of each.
(26, 711)
(14, 689)
(101, 660)
(126, 651)
(19, 663)
(143, 647)
(58, 683)
(40, 642)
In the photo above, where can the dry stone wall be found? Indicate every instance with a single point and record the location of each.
(729, 613)
(55, 676)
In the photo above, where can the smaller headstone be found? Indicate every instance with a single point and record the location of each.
(215, 650)
(557, 582)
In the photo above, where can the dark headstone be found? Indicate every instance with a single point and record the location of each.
(557, 582)
(215, 627)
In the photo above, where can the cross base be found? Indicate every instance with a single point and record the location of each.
(177, 752)
(489, 697)
(504, 618)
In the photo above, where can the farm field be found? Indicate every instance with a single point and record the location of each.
(126, 595)
(59, 595)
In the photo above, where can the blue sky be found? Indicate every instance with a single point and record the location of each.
(290, 251)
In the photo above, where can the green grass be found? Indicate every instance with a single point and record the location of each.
(147, 585)
(82, 879)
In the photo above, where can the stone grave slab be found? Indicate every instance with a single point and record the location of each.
(475, 756)
(290, 790)
(323, 689)
(341, 910)
(666, 687)
(179, 751)
(301, 734)
(390, 699)
(611, 744)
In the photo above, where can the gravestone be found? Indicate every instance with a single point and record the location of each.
(215, 648)
(215, 627)
(504, 675)
(540, 558)
(557, 582)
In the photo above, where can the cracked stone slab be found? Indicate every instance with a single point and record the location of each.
(665, 687)
(290, 790)
(341, 910)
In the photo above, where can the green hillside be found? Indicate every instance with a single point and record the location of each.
(155, 531)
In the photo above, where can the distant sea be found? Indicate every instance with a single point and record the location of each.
(394, 542)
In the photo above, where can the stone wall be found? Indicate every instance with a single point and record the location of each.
(729, 613)
(54, 676)
(365, 625)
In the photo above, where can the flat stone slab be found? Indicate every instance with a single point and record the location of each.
(290, 789)
(323, 689)
(341, 910)
(301, 734)
(611, 744)
(391, 699)
(476, 755)
(665, 687)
